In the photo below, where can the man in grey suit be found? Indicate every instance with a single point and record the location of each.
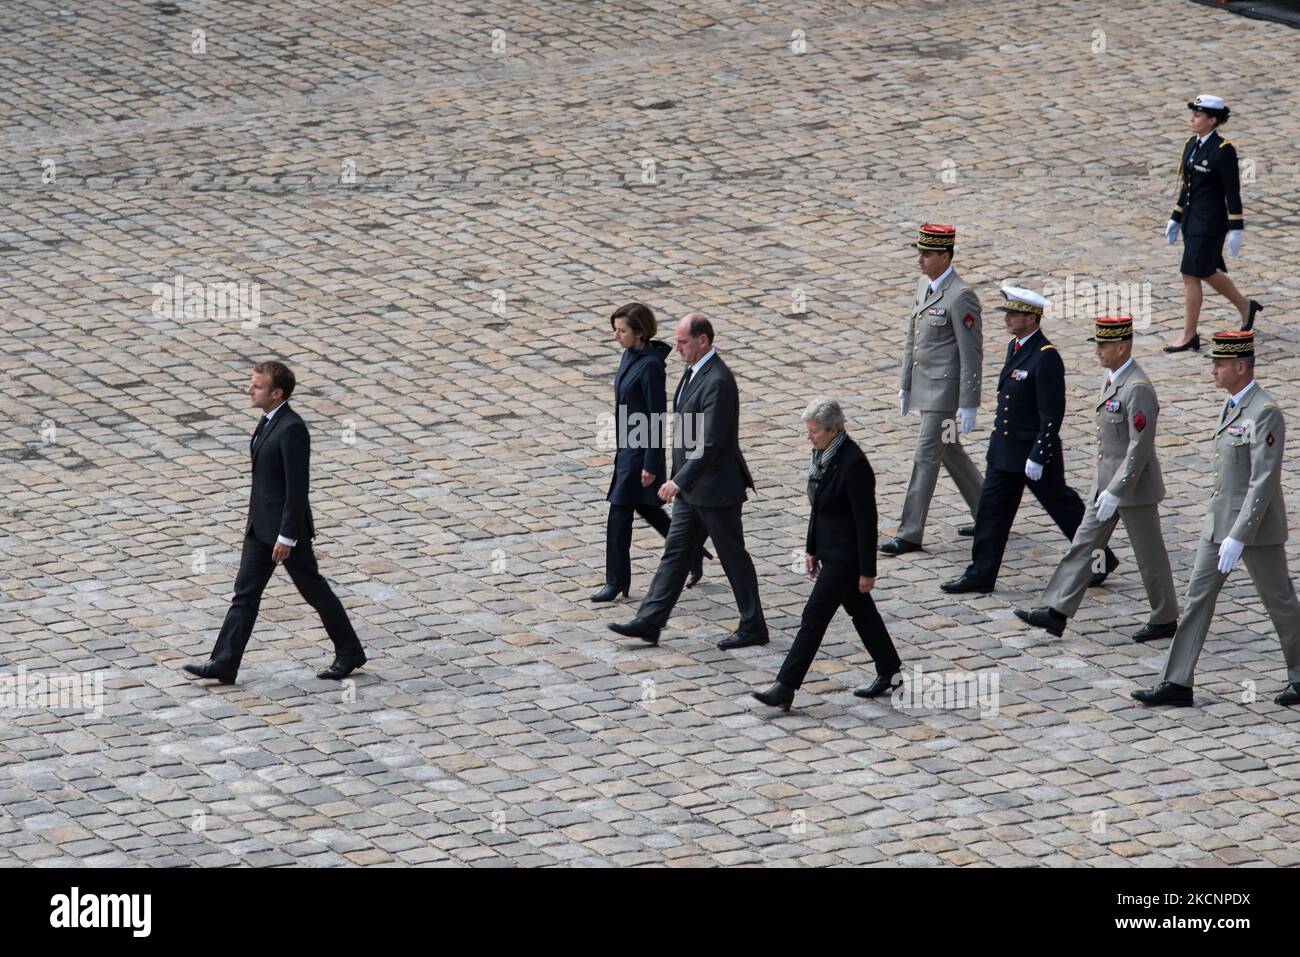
(1127, 485)
(942, 365)
(708, 485)
(1247, 519)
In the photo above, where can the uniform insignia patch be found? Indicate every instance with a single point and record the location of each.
(1112, 405)
(1236, 430)
(969, 321)
(1019, 374)
(1139, 421)
(1269, 441)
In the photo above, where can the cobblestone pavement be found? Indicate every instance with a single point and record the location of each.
(437, 219)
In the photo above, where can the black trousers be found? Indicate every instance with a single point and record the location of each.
(837, 586)
(691, 525)
(255, 570)
(618, 539)
(999, 502)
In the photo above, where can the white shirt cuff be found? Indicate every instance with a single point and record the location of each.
(286, 541)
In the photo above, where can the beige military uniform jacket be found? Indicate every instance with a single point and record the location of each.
(1127, 466)
(944, 357)
(1247, 502)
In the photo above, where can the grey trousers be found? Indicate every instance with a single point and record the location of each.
(1267, 566)
(931, 451)
(1142, 522)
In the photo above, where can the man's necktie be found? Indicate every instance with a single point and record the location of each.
(1016, 347)
(260, 426)
(929, 291)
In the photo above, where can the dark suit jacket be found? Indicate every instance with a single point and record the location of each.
(1031, 404)
(842, 524)
(639, 396)
(1209, 193)
(707, 464)
(277, 503)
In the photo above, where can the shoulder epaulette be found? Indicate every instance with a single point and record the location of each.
(1046, 347)
(1226, 143)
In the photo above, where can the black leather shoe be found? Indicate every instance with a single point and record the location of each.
(742, 641)
(610, 592)
(1049, 619)
(1250, 319)
(899, 546)
(1193, 343)
(636, 628)
(342, 667)
(965, 583)
(1165, 693)
(878, 687)
(966, 531)
(777, 696)
(1289, 697)
(1112, 563)
(211, 669)
(1150, 632)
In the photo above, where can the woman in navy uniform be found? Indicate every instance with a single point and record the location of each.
(640, 410)
(839, 556)
(1208, 211)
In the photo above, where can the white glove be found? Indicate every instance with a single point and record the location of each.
(966, 420)
(1033, 471)
(1171, 232)
(1234, 243)
(1106, 505)
(1229, 555)
(903, 396)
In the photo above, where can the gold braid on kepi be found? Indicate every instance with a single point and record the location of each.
(1113, 329)
(936, 236)
(1236, 344)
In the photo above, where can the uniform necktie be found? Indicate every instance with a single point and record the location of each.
(260, 426)
(929, 290)
(1232, 403)
(1016, 347)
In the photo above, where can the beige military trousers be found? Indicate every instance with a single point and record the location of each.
(931, 452)
(1267, 566)
(1070, 580)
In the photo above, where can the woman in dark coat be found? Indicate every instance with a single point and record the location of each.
(840, 557)
(640, 411)
(1207, 211)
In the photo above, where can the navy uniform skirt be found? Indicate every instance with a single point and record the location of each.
(1202, 255)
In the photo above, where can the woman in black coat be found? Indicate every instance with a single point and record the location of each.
(1207, 211)
(840, 556)
(640, 411)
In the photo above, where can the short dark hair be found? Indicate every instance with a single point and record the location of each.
(639, 317)
(700, 326)
(281, 376)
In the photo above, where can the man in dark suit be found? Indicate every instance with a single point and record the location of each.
(708, 482)
(279, 529)
(1025, 446)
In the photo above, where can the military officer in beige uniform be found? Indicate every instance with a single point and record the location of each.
(1127, 486)
(941, 379)
(1247, 519)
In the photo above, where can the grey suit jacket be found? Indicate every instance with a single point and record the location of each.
(1127, 466)
(707, 464)
(944, 356)
(1247, 503)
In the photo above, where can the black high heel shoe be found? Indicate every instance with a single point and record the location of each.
(1193, 343)
(878, 687)
(698, 571)
(610, 592)
(777, 696)
(1250, 319)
